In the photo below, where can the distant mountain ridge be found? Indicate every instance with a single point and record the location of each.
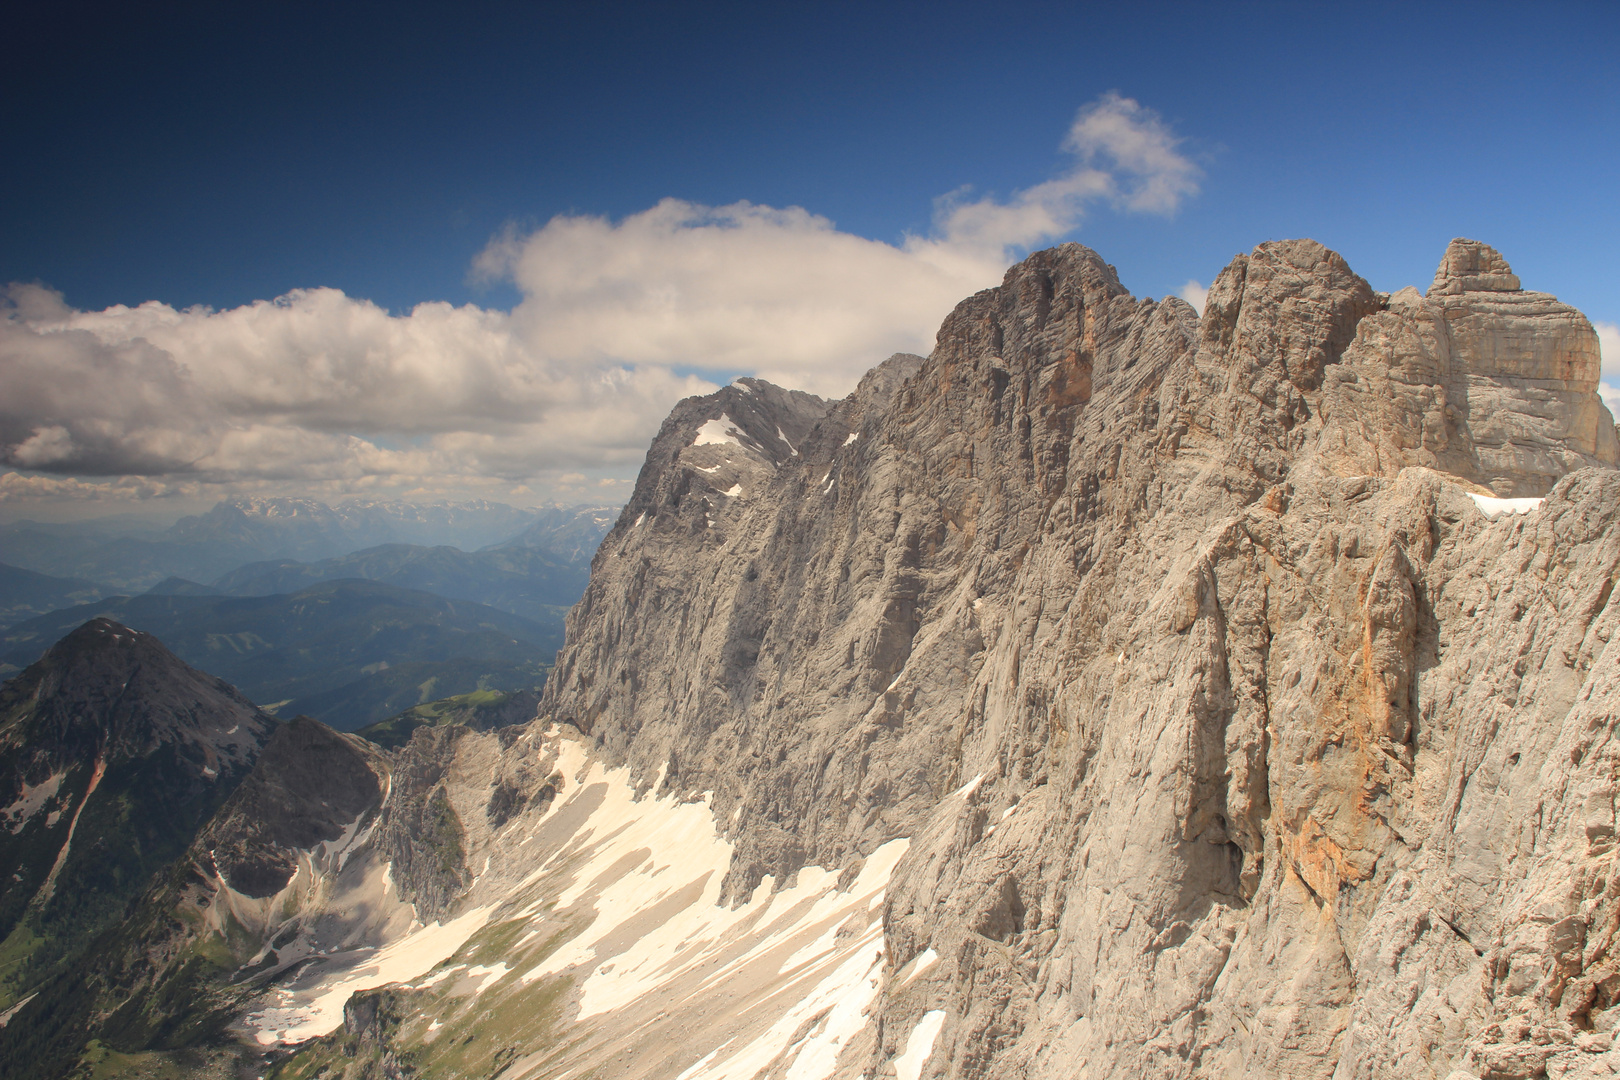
(347, 652)
(203, 547)
(525, 581)
(311, 529)
(25, 594)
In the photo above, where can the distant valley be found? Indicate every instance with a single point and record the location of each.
(348, 653)
(348, 635)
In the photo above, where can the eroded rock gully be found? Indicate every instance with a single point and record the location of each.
(1233, 736)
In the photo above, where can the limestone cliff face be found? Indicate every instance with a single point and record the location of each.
(1479, 379)
(1232, 736)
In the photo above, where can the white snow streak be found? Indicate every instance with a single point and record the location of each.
(1493, 507)
(908, 1065)
(847, 993)
(295, 1018)
(688, 856)
(919, 964)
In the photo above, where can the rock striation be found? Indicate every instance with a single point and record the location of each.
(1479, 379)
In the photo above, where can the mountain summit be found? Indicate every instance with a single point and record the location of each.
(112, 754)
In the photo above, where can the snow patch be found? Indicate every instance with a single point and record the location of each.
(345, 845)
(27, 805)
(733, 491)
(717, 432)
(1492, 507)
(966, 790)
(919, 964)
(704, 1061)
(710, 469)
(845, 995)
(689, 860)
(639, 520)
(852, 437)
(306, 1013)
(480, 972)
(435, 978)
(908, 1066)
(791, 448)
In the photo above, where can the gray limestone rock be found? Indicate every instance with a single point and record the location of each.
(1233, 736)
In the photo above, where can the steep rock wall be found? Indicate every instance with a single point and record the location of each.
(1183, 654)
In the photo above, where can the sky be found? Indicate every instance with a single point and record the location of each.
(479, 250)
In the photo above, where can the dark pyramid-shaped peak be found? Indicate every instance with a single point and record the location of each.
(106, 691)
(113, 753)
(311, 784)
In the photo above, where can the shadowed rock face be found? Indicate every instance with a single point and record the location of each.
(312, 785)
(1233, 738)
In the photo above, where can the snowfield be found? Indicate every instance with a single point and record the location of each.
(599, 916)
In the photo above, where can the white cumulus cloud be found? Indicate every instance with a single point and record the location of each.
(320, 391)
(1195, 293)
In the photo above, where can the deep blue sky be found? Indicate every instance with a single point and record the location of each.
(218, 154)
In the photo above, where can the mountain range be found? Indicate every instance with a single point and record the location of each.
(349, 652)
(1117, 691)
(239, 531)
(528, 581)
(25, 594)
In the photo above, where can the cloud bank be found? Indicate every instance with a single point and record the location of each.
(618, 319)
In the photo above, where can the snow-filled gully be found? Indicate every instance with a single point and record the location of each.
(595, 932)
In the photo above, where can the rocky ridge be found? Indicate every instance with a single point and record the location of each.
(1202, 620)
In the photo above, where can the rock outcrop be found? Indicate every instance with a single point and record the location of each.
(1273, 753)
(1478, 379)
